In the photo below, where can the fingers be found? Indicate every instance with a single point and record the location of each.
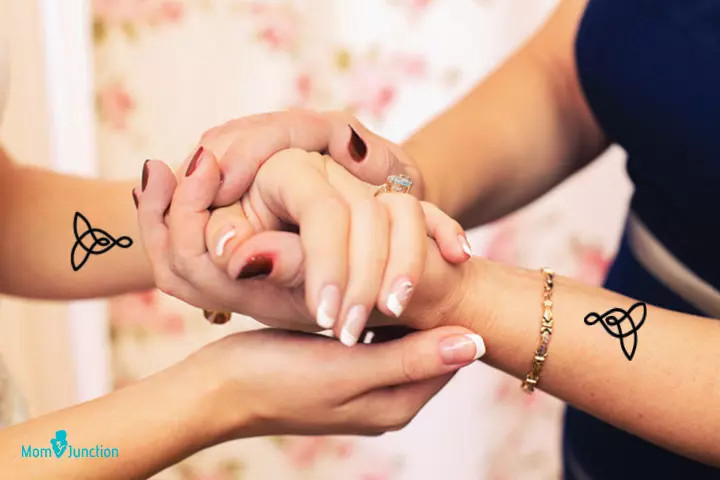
(154, 199)
(227, 228)
(189, 213)
(255, 139)
(367, 156)
(278, 255)
(447, 233)
(368, 253)
(416, 357)
(408, 244)
(394, 407)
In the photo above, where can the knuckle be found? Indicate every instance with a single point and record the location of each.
(412, 367)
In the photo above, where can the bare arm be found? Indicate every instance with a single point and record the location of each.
(36, 234)
(517, 134)
(668, 394)
(152, 424)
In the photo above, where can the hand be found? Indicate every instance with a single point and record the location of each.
(269, 382)
(243, 145)
(372, 250)
(183, 266)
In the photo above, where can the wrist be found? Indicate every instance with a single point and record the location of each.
(475, 298)
(202, 386)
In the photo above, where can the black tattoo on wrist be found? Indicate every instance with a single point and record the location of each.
(613, 321)
(92, 241)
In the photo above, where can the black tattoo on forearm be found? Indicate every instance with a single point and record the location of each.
(613, 321)
(91, 241)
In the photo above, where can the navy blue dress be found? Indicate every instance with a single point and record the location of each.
(650, 70)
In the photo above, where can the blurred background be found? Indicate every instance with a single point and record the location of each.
(99, 86)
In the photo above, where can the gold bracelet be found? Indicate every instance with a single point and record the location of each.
(541, 354)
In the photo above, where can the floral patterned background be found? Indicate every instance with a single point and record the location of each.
(168, 69)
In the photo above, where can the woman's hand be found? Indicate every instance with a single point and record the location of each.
(270, 382)
(370, 250)
(174, 239)
(243, 145)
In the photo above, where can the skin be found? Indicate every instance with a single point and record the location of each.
(34, 259)
(250, 384)
(667, 394)
(532, 107)
(389, 228)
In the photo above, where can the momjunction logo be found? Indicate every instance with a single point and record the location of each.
(59, 447)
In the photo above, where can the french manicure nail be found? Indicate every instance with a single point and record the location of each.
(462, 349)
(135, 199)
(329, 305)
(145, 175)
(220, 248)
(353, 327)
(399, 296)
(465, 245)
(357, 146)
(194, 161)
(256, 266)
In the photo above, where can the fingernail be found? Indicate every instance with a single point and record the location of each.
(354, 322)
(465, 245)
(462, 349)
(215, 317)
(220, 248)
(194, 161)
(135, 199)
(145, 175)
(329, 305)
(357, 146)
(256, 266)
(399, 296)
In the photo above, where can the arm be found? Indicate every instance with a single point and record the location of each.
(668, 394)
(521, 131)
(36, 234)
(222, 392)
(153, 424)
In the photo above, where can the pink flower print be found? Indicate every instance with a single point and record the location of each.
(119, 11)
(414, 7)
(373, 91)
(503, 243)
(114, 105)
(140, 313)
(132, 12)
(592, 263)
(278, 26)
(303, 87)
(374, 82)
(167, 11)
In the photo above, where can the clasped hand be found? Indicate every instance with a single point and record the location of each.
(308, 246)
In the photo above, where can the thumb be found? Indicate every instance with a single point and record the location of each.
(418, 356)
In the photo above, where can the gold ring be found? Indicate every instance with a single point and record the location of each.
(215, 317)
(395, 184)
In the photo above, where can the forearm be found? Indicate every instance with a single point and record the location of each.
(669, 392)
(152, 424)
(37, 208)
(521, 131)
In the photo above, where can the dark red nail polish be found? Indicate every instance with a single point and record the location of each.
(256, 266)
(194, 161)
(357, 146)
(145, 175)
(135, 199)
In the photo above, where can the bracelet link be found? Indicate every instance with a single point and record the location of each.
(546, 328)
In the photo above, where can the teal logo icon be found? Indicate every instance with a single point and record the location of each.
(59, 443)
(61, 448)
